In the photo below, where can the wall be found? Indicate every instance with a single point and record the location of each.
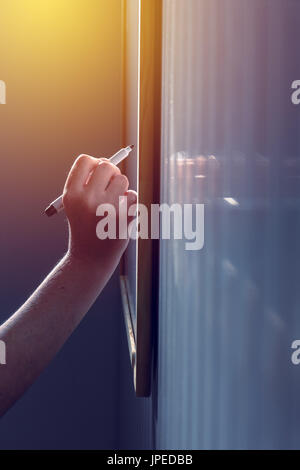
(61, 63)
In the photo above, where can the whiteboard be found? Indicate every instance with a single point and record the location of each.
(141, 127)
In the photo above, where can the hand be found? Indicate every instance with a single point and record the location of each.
(92, 182)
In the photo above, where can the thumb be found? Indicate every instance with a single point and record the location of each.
(131, 197)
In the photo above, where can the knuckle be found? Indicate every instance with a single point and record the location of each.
(106, 164)
(123, 180)
(82, 160)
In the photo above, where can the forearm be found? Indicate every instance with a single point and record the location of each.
(35, 333)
